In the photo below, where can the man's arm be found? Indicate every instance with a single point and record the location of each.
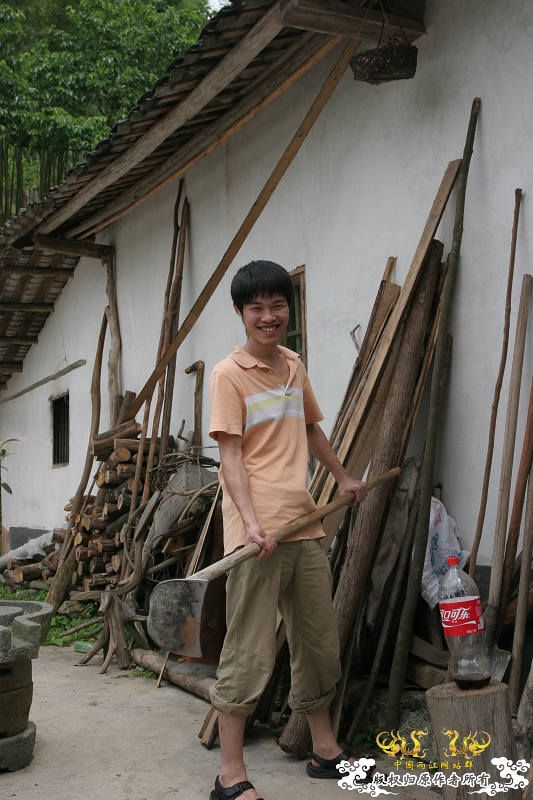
(238, 485)
(322, 450)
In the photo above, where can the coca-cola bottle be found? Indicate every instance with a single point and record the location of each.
(462, 621)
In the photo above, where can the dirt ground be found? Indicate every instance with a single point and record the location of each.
(117, 736)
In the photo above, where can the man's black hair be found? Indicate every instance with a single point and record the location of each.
(260, 279)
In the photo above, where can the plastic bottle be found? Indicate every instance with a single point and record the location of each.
(462, 621)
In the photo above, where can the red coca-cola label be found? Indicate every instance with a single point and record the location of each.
(461, 616)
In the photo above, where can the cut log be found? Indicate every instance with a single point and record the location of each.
(485, 711)
(112, 477)
(190, 677)
(118, 456)
(105, 545)
(125, 470)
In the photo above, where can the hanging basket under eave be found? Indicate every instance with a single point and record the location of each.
(394, 62)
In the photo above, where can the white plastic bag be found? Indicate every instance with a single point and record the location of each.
(443, 541)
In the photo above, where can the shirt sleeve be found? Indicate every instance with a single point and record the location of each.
(227, 413)
(312, 410)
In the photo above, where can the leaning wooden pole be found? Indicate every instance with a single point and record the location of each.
(498, 551)
(173, 325)
(113, 364)
(497, 388)
(67, 563)
(522, 604)
(251, 218)
(401, 651)
(524, 467)
(363, 538)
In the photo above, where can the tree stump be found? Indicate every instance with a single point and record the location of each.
(462, 721)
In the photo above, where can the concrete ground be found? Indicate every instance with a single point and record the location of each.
(116, 735)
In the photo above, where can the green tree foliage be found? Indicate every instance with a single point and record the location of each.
(69, 71)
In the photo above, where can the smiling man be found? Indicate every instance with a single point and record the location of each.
(265, 418)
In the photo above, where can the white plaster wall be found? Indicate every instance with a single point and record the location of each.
(359, 191)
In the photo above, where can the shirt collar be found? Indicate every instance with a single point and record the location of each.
(246, 360)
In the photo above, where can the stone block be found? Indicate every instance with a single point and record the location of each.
(16, 751)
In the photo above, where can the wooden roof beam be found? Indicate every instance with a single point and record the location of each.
(37, 272)
(10, 366)
(289, 68)
(71, 247)
(262, 33)
(24, 340)
(39, 308)
(338, 18)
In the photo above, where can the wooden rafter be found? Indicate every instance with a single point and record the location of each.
(214, 82)
(284, 73)
(19, 340)
(71, 247)
(10, 366)
(37, 272)
(38, 308)
(338, 18)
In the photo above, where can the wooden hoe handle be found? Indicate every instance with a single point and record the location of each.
(251, 550)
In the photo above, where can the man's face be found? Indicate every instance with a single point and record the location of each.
(266, 318)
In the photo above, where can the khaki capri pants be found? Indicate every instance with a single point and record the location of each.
(296, 578)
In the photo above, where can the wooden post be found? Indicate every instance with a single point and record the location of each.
(497, 388)
(498, 552)
(473, 714)
(401, 652)
(198, 367)
(113, 364)
(251, 218)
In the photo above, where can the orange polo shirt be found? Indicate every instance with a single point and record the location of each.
(248, 399)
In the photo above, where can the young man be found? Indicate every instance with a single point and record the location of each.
(265, 419)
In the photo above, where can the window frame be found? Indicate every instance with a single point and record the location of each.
(298, 280)
(60, 448)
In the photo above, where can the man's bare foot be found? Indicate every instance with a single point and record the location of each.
(228, 779)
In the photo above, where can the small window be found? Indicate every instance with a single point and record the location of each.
(295, 338)
(60, 423)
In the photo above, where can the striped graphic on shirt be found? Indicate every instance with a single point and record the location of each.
(273, 404)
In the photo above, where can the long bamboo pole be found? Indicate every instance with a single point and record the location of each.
(497, 388)
(251, 218)
(401, 652)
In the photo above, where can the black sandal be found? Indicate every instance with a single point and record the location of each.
(327, 767)
(231, 792)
